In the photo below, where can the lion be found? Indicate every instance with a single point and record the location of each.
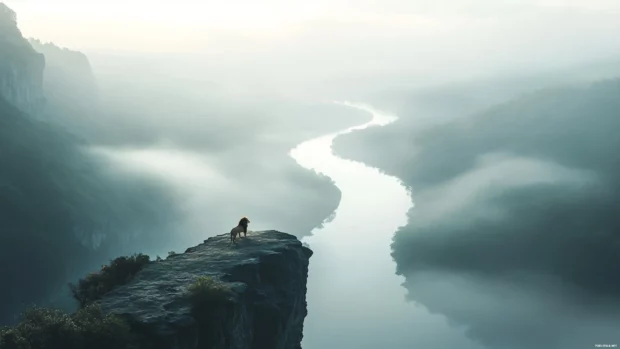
(241, 227)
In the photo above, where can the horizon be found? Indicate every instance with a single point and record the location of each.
(486, 34)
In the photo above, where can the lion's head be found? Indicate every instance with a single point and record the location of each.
(244, 222)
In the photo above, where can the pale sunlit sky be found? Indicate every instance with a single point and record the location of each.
(186, 25)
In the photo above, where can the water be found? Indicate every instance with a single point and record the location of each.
(355, 300)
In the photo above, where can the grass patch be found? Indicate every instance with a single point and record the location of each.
(120, 271)
(207, 289)
(88, 328)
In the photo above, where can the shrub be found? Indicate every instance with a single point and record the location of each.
(120, 271)
(208, 289)
(11, 339)
(102, 331)
(88, 328)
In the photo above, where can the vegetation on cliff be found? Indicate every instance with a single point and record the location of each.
(252, 297)
(207, 289)
(88, 328)
(120, 271)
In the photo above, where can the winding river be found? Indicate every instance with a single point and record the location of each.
(355, 300)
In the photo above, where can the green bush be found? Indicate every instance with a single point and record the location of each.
(120, 271)
(88, 328)
(208, 289)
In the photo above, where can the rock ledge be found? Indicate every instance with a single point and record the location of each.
(267, 272)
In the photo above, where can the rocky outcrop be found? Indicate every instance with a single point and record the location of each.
(266, 273)
(21, 67)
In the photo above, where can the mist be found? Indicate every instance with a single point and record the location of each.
(176, 119)
(163, 162)
(275, 43)
(514, 229)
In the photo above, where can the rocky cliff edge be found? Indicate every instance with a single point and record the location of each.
(266, 274)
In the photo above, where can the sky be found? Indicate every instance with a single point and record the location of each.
(206, 26)
(243, 44)
(290, 45)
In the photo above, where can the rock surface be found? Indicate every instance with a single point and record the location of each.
(267, 272)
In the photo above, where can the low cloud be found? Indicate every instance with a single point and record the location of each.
(515, 229)
(515, 233)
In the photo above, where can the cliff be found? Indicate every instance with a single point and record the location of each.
(62, 210)
(265, 273)
(21, 67)
(68, 76)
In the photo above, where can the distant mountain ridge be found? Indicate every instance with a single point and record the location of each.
(68, 74)
(70, 88)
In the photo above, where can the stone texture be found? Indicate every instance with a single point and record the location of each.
(267, 272)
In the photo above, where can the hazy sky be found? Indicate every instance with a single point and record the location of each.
(189, 25)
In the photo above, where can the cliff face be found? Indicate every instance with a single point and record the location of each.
(21, 67)
(68, 76)
(266, 274)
